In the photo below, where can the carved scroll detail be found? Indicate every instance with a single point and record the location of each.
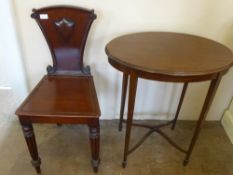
(85, 71)
(65, 27)
(50, 70)
(92, 15)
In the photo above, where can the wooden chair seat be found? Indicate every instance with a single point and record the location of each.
(61, 97)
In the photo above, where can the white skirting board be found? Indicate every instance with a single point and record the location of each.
(227, 122)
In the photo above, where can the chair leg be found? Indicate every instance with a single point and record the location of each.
(32, 147)
(95, 143)
(180, 104)
(123, 95)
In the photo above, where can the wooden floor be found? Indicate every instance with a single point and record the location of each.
(65, 151)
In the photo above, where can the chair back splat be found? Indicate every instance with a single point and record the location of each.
(65, 29)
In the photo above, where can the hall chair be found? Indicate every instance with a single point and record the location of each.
(66, 95)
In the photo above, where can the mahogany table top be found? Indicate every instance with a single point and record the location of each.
(173, 54)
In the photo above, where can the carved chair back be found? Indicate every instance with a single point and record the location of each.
(65, 29)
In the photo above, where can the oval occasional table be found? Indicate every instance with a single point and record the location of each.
(168, 57)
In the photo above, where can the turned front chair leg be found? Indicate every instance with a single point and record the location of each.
(95, 144)
(123, 96)
(32, 147)
(132, 96)
(210, 95)
(180, 104)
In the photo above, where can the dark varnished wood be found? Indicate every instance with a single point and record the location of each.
(180, 104)
(66, 95)
(152, 129)
(95, 142)
(62, 96)
(31, 143)
(169, 57)
(162, 77)
(208, 100)
(145, 52)
(65, 27)
(123, 96)
(132, 96)
(66, 31)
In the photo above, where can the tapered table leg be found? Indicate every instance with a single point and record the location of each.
(95, 144)
(180, 104)
(32, 147)
(210, 95)
(132, 95)
(123, 95)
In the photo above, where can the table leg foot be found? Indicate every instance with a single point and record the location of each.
(173, 127)
(185, 162)
(124, 163)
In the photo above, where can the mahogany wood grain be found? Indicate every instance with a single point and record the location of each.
(123, 96)
(172, 54)
(95, 143)
(180, 104)
(31, 143)
(65, 34)
(62, 96)
(66, 95)
(169, 57)
(208, 100)
(132, 96)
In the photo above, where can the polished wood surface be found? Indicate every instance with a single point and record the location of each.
(65, 34)
(180, 104)
(169, 57)
(62, 96)
(123, 96)
(31, 143)
(170, 53)
(208, 100)
(132, 97)
(66, 95)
